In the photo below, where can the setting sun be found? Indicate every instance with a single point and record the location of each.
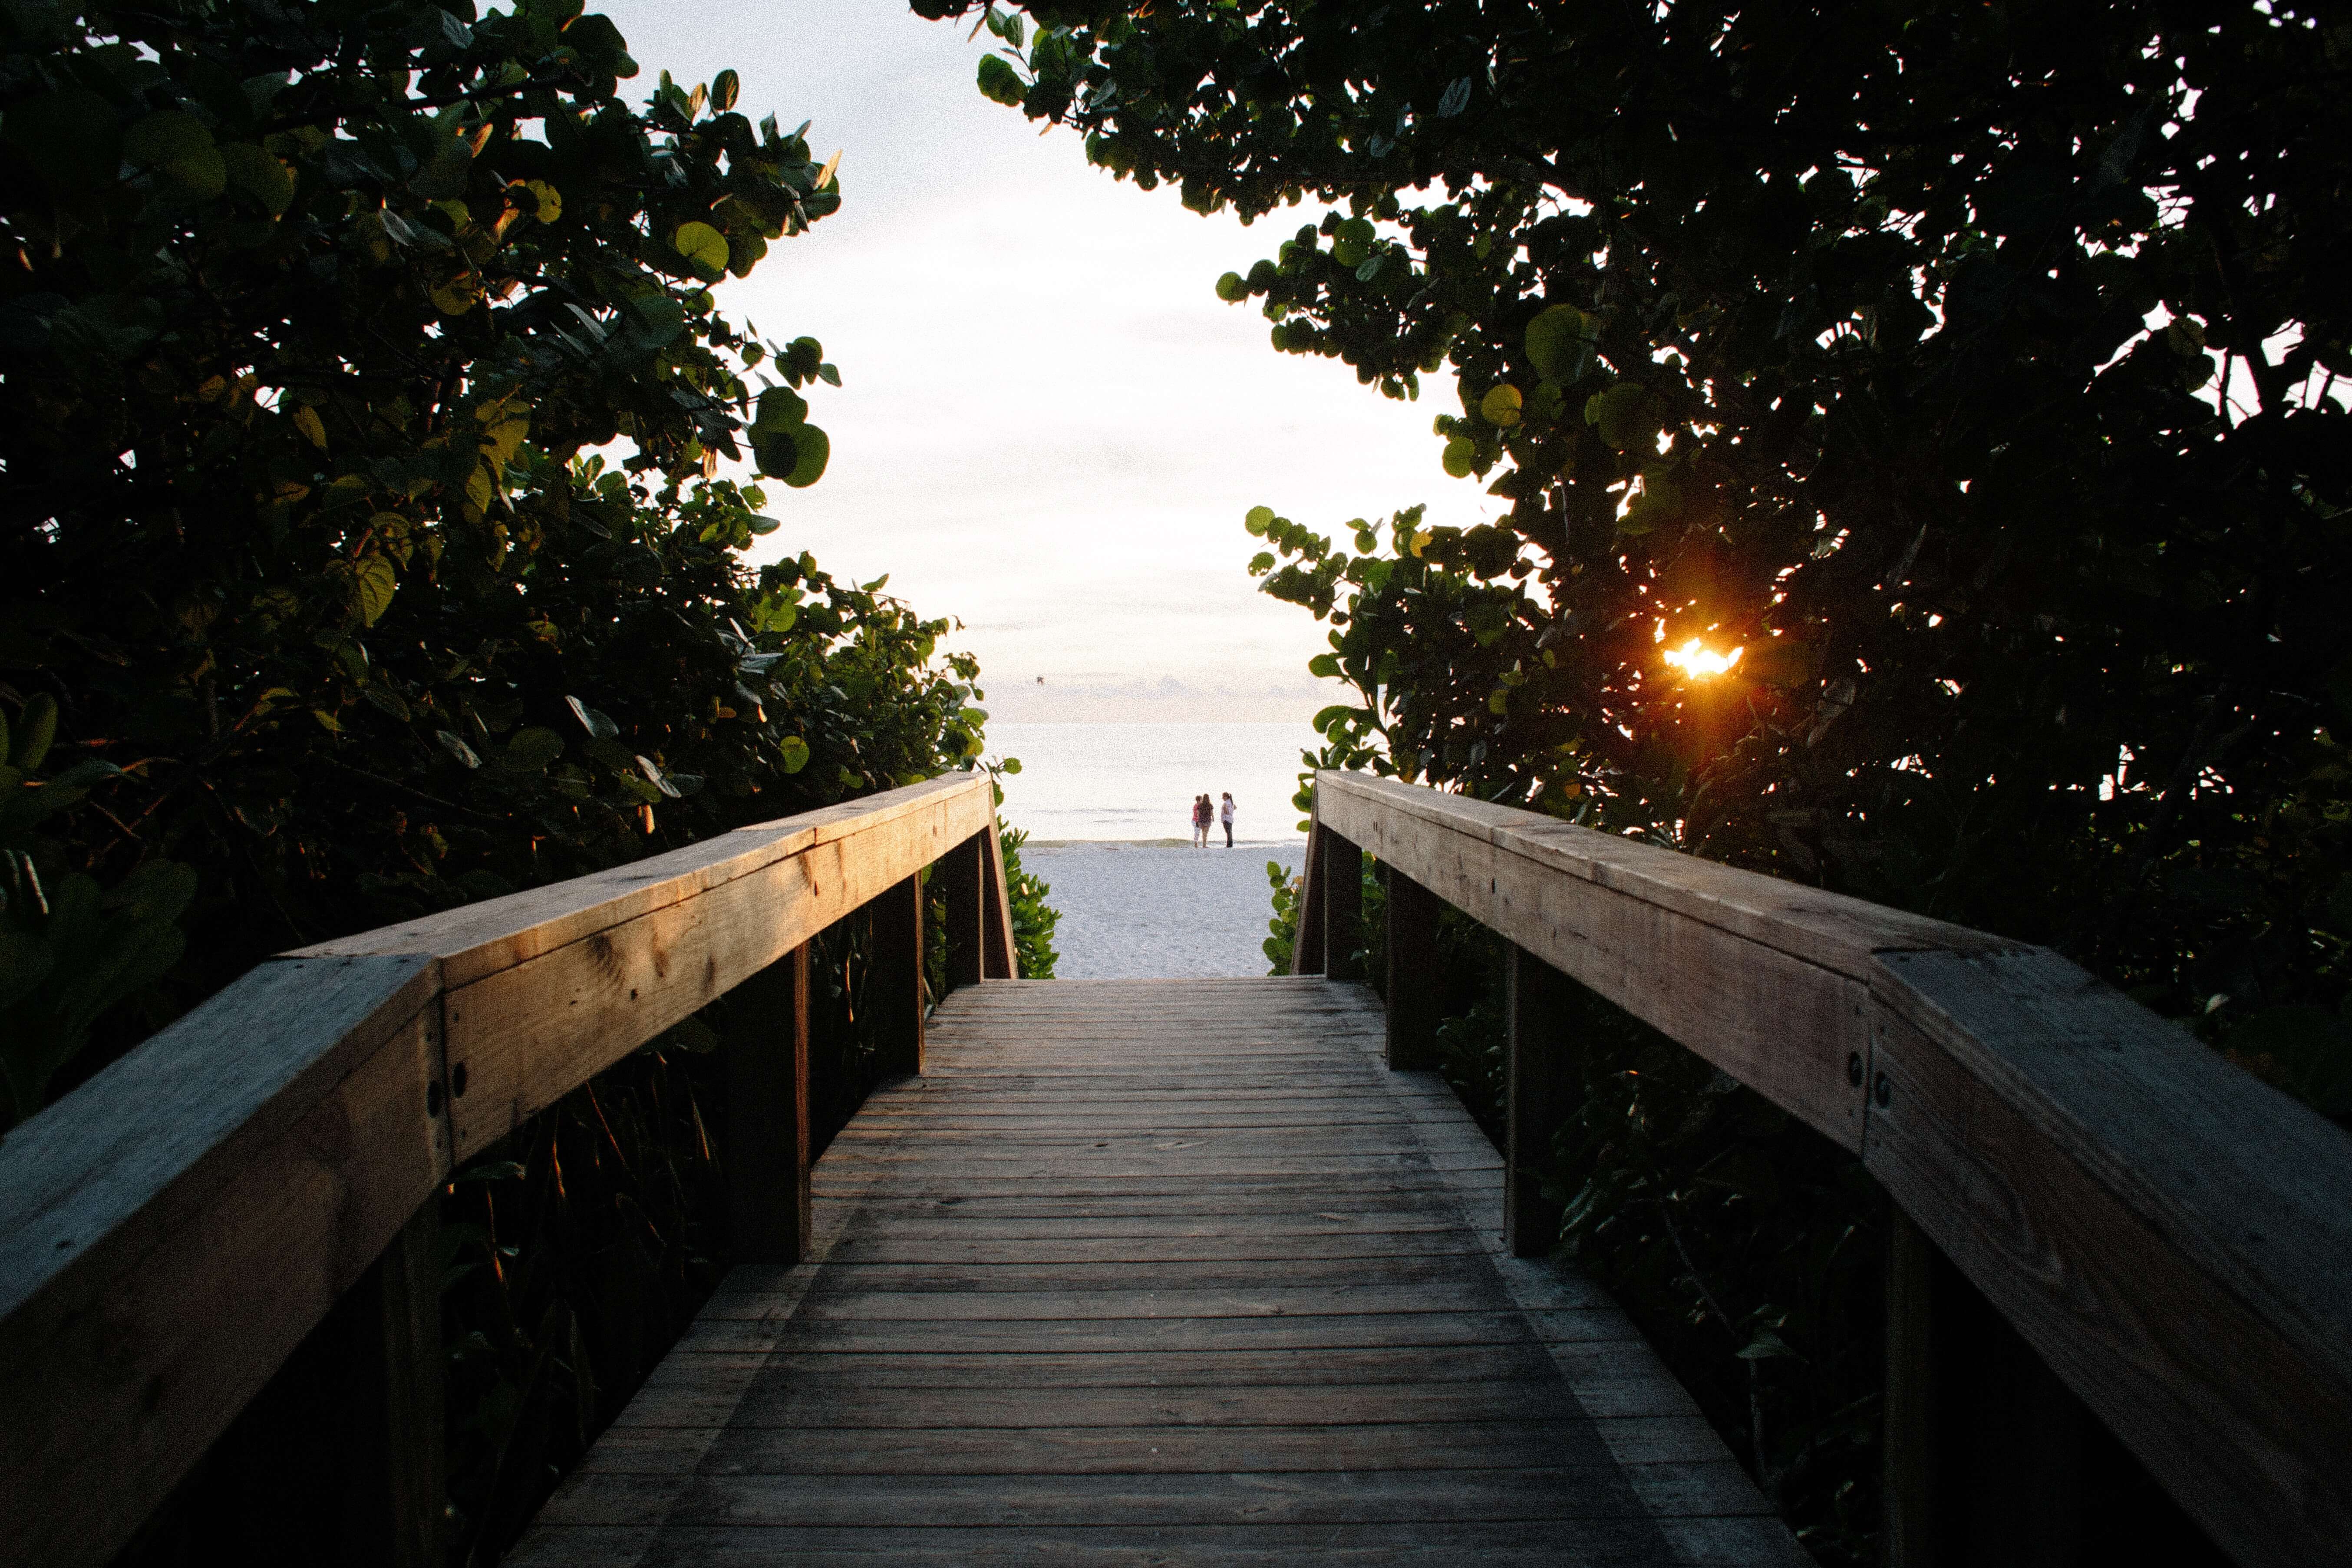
(1694, 658)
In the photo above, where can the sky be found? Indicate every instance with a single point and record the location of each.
(1049, 427)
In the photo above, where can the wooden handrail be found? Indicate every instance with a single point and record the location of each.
(171, 1230)
(2173, 1236)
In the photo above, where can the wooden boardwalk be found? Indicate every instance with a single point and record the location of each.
(1160, 1272)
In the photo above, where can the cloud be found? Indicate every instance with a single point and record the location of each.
(1049, 427)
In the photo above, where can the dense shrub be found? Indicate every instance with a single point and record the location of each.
(317, 313)
(364, 552)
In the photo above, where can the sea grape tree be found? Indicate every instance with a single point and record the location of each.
(1971, 374)
(363, 393)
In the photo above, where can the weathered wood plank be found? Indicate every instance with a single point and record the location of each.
(1082, 1301)
(1412, 991)
(696, 1359)
(1342, 900)
(532, 1032)
(170, 1231)
(1588, 1543)
(1785, 1025)
(2171, 1235)
(397, 1477)
(173, 1228)
(961, 878)
(1306, 946)
(1002, 958)
(895, 990)
(1820, 927)
(1536, 1098)
(766, 1153)
(480, 939)
(1155, 1450)
(1405, 1498)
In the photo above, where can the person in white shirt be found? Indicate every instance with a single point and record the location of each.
(1225, 815)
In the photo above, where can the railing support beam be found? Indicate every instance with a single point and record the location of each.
(1341, 902)
(1536, 1092)
(767, 1149)
(895, 987)
(339, 1457)
(396, 1477)
(1983, 1445)
(1306, 948)
(1000, 959)
(1411, 989)
(962, 878)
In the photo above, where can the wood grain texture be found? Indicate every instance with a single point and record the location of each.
(1002, 956)
(1066, 1294)
(1412, 992)
(765, 1045)
(1536, 1098)
(1307, 949)
(1822, 928)
(397, 1477)
(961, 877)
(532, 1032)
(480, 939)
(2173, 1236)
(544, 989)
(895, 990)
(170, 1231)
(1340, 898)
(1784, 1021)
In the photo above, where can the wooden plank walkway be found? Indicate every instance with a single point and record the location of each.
(1160, 1272)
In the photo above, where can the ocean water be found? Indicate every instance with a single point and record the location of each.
(1135, 782)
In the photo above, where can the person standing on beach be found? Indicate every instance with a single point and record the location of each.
(1200, 822)
(1225, 815)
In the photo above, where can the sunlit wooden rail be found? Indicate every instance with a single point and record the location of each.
(2171, 1236)
(172, 1231)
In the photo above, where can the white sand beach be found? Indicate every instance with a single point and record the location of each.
(1138, 910)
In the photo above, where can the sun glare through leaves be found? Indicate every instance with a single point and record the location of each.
(1697, 660)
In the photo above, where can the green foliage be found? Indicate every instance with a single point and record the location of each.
(575, 1255)
(1281, 945)
(1033, 919)
(1927, 424)
(1747, 1248)
(362, 554)
(71, 949)
(304, 536)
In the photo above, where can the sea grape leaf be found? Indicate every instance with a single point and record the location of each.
(705, 249)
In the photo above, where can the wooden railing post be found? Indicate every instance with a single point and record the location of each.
(1306, 950)
(339, 1457)
(1982, 1445)
(1411, 988)
(1342, 898)
(1907, 1424)
(766, 1156)
(894, 994)
(394, 1475)
(1000, 959)
(962, 877)
(1536, 1092)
